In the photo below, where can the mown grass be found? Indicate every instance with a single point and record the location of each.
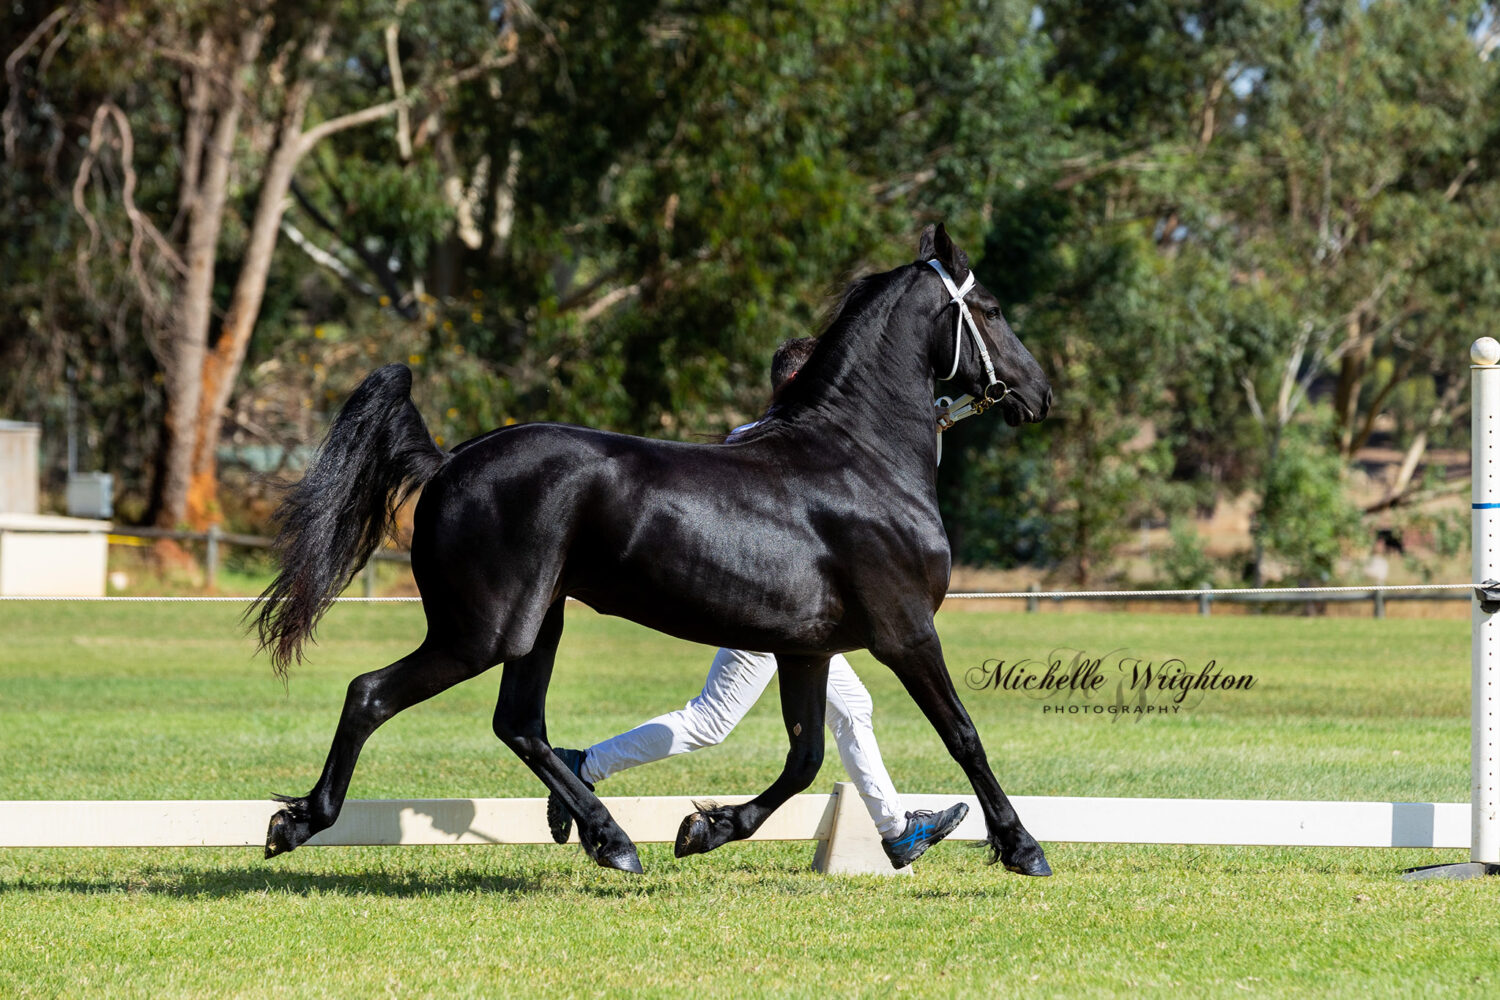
(166, 701)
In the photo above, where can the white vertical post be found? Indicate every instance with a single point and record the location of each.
(1485, 760)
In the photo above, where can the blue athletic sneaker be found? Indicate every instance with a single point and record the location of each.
(559, 820)
(923, 829)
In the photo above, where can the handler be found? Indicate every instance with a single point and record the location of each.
(735, 681)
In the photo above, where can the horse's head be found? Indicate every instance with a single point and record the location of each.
(972, 346)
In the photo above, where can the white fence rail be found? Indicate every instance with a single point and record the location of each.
(847, 840)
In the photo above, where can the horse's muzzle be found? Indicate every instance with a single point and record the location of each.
(1017, 409)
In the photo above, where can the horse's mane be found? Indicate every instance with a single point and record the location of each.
(846, 309)
(848, 302)
(846, 318)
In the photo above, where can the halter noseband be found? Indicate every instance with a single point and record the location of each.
(953, 410)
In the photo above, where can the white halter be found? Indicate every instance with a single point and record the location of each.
(950, 411)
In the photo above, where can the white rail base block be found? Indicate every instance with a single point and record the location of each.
(846, 836)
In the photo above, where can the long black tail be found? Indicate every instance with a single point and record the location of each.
(377, 452)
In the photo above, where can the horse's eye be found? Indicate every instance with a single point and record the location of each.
(992, 313)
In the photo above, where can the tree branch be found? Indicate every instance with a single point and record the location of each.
(608, 301)
(1254, 401)
(401, 299)
(13, 76)
(1089, 173)
(375, 113)
(327, 260)
(141, 226)
(398, 87)
(1449, 407)
(1456, 185)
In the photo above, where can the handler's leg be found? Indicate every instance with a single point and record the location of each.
(735, 681)
(850, 720)
(906, 836)
(804, 691)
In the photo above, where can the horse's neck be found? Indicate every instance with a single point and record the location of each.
(874, 389)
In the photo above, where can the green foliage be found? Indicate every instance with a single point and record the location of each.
(1305, 519)
(1183, 565)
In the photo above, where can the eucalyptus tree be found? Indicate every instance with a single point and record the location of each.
(179, 129)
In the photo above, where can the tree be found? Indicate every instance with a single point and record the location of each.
(256, 91)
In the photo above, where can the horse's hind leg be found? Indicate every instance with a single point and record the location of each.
(520, 722)
(804, 696)
(372, 699)
(921, 669)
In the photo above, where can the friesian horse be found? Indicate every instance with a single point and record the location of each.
(814, 533)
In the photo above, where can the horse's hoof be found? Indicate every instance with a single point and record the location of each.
(625, 860)
(559, 820)
(279, 837)
(289, 828)
(692, 836)
(1028, 861)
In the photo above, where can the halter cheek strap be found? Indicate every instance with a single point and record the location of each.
(952, 411)
(965, 318)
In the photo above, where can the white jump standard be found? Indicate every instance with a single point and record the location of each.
(1484, 754)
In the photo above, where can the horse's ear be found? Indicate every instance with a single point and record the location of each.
(927, 245)
(948, 254)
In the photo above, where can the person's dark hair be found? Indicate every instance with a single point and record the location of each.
(789, 359)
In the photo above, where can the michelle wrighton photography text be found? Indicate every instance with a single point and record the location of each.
(1117, 683)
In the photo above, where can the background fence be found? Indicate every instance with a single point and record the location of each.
(214, 540)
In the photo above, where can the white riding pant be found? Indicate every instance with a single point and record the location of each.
(734, 682)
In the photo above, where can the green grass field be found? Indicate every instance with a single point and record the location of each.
(166, 701)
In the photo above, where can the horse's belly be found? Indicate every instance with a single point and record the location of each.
(716, 627)
(718, 592)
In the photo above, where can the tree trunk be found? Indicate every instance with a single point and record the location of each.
(1258, 552)
(200, 380)
(219, 367)
(186, 345)
(1351, 379)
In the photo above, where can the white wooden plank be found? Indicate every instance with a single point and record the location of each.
(1272, 823)
(230, 823)
(805, 817)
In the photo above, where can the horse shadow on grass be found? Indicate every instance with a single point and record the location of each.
(226, 883)
(375, 873)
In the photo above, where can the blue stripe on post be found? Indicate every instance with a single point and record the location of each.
(1486, 506)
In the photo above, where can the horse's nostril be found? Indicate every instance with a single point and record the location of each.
(1047, 402)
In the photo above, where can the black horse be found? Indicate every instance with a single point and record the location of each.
(816, 532)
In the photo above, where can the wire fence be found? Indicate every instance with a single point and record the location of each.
(1376, 595)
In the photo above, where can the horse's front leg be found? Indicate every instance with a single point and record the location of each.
(804, 693)
(921, 668)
